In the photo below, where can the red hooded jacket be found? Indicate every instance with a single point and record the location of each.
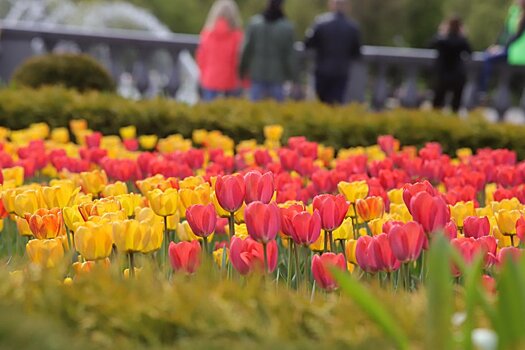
(218, 57)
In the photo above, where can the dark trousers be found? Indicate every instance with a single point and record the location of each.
(445, 85)
(331, 89)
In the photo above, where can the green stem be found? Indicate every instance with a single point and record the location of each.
(325, 242)
(266, 268)
(306, 266)
(131, 260)
(343, 244)
(205, 244)
(165, 246)
(297, 268)
(331, 239)
(231, 224)
(289, 274)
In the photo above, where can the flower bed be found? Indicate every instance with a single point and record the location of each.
(341, 127)
(204, 242)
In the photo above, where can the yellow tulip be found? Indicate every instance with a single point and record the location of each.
(77, 125)
(147, 214)
(94, 241)
(273, 132)
(115, 189)
(345, 231)
(462, 210)
(46, 253)
(376, 225)
(15, 174)
(148, 142)
(353, 190)
(239, 214)
(485, 211)
(8, 198)
(60, 135)
(185, 233)
(60, 196)
(149, 184)
(318, 246)
(218, 256)
(27, 202)
(464, 154)
(72, 217)
(490, 189)
(128, 236)
(115, 216)
(188, 197)
(401, 211)
(93, 181)
(506, 220)
(128, 132)
(506, 204)
(199, 136)
(100, 207)
(152, 235)
(191, 182)
(22, 226)
(241, 231)
(350, 248)
(164, 203)
(82, 198)
(396, 196)
(129, 202)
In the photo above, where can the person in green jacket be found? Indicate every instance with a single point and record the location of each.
(268, 55)
(510, 47)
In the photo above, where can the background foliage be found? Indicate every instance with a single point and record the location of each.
(392, 22)
(339, 127)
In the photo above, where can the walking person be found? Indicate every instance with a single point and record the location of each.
(268, 55)
(452, 47)
(335, 38)
(509, 49)
(218, 51)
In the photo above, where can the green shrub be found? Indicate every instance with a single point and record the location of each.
(340, 127)
(74, 71)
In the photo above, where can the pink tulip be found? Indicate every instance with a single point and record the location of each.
(432, 212)
(410, 190)
(332, 209)
(451, 230)
(321, 265)
(185, 256)
(407, 241)
(259, 187)
(263, 221)
(476, 227)
(512, 253)
(381, 252)
(287, 215)
(306, 228)
(247, 255)
(230, 191)
(202, 219)
(363, 254)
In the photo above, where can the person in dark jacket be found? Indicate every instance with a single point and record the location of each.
(452, 47)
(268, 54)
(336, 41)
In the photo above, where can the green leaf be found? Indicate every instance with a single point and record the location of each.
(440, 295)
(372, 307)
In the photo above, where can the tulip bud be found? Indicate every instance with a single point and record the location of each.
(321, 265)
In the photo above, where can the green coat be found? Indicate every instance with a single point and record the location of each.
(517, 48)
(268, 53)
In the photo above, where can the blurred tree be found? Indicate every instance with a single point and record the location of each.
(423, 18)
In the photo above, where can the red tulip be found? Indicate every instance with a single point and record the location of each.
(202, 219)
(363, 254)
(407, 241)
(263, 221)
(469, 247)
(410, 190)
(332, 209)
(259, 187)
(520, 228)
(381, 252)
(247, 255)
(306, 227)
(489, 283)
(230, 191)
(432, 212)
(287, 215)
(451, 230)
(321, 265)
(509, 253)
(388, 144)
(93, 140)
(185, 256)
(476, 227)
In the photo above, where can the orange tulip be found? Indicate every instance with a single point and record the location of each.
(46, 223)
(370, 208)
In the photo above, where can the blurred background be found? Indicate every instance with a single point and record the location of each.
(392, 23)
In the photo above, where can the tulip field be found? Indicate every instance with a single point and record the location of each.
(143, 242)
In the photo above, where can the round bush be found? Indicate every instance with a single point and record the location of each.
(75, 71)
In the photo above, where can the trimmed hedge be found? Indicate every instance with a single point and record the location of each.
(339, 127)
(75, 71)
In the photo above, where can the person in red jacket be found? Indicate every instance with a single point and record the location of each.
(218, 52)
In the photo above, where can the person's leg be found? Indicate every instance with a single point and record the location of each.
(488, 65)
(276, 91)
(339, 90)
(457, 93)
(321, 88)
(257, 91)
(440, 92)
(209, 95)
(233, 93)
